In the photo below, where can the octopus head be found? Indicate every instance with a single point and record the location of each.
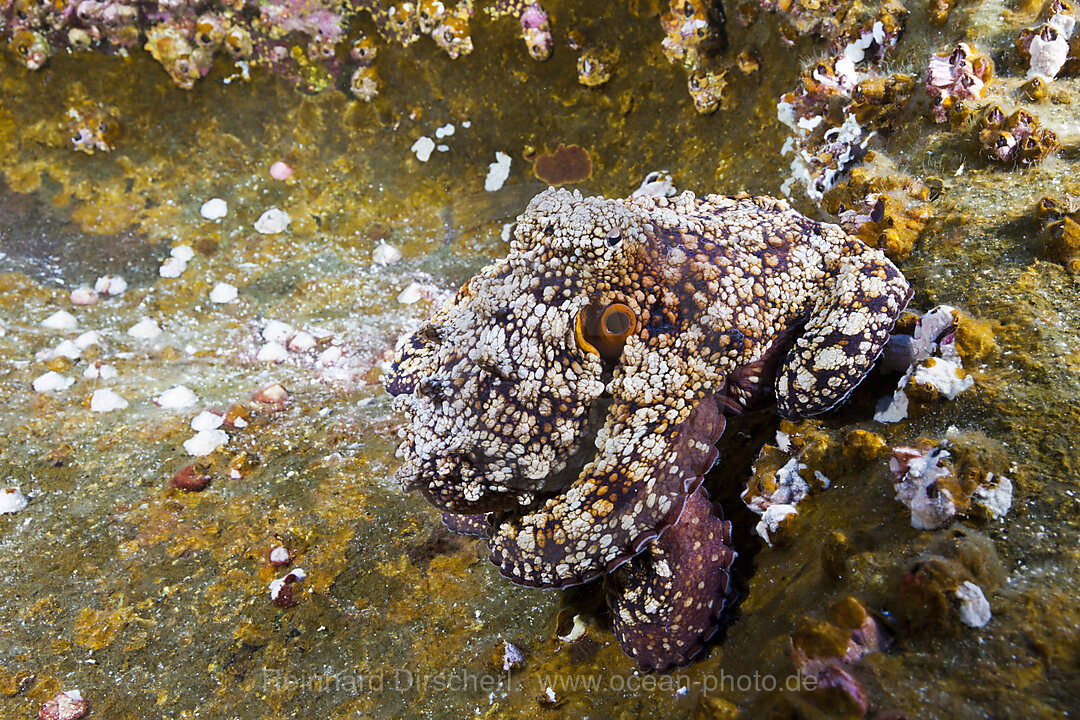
(503, 387)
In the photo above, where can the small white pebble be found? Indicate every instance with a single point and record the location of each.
(206, 442)
(111, 285)
(145, 328)
(66, 349)
(223, 293)
(301, 342)
(974, 608)
(277, 331)
(60, 320)
(214, 209)
(385, 254)
(505, 234)
(83, 295)
(177, 397)
(280, 556)
(280, 171)
(106, 400)
(445, 131)
(467, 124)
(410, 294)
(172, 268)
(88, 338)
(442, 148)
(99, 370)
(423, 147)
(330, 355)
(206, 420)
(272, 221)
(182, 252)
(52, 382)
(11, 501)
(272, 352)
(498, 171)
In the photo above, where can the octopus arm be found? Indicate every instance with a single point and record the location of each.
(668, 601)
(844, 334)
(650, 458)
(471, 525)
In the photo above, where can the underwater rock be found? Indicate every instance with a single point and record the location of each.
(66, 705)
(826, 649)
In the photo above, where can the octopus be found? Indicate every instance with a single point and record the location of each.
(566, 402)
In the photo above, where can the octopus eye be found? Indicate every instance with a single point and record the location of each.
(432, 333)
(432, 388)
(613, 237)
(604, 332)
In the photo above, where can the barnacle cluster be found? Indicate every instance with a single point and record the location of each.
(1053, 47)
(842, 103)
(1060, 220)
(955, 76)
(691, 35)
(91, 128)
(960, 475)
(364, 83)
(304, 41)
(1017, 138)
(886, 211)
(535, 25)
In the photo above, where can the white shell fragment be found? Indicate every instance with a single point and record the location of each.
(146, 329)
(206, 420)
(301, 342)
(206, 442)
(172, 268)
(994, 495)
(423, 148)
(277, 331)
(223, 292)
(385, 254)
(66, 349)
(182, 252)
(411, 294)
(272, 352)
(52, 382)
(11, 501)
(177, 397)
(498, 171)
(106, 400)
(83, 295)
(974, 607)
(100, 371)
(60, 320)
(214, 209)
(110, 285)
(88, 338)
(272, 221)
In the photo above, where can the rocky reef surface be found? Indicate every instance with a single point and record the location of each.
(209, 248)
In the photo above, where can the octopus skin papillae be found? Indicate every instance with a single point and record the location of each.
(566, 401)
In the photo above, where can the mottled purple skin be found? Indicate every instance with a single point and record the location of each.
(471, 525)
(683, 578)
(589, 458)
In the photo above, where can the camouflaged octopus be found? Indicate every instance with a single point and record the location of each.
(565, 403)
